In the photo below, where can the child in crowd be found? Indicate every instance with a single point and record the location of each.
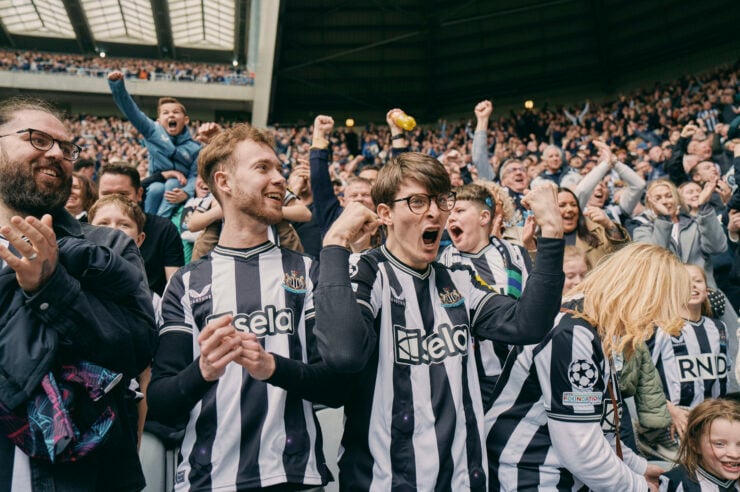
(118, 212)
(692, 361)
(201, 201)
(709, 456)
(502, 266)
(173, 153)
(575, 266)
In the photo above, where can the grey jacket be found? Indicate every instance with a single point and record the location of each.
(698, 238)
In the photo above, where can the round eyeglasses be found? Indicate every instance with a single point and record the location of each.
(419, 203)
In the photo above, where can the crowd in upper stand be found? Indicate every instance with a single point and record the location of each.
(140, 69)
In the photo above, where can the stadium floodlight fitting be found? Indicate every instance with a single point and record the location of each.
(235, 63)
(102, 54)
(529, 104)
(349, 123)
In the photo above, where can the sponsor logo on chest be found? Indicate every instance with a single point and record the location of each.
(701, 367)
(412, 348)
(268, 322)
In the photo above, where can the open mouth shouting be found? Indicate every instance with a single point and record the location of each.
(455, 232)
(431, 236)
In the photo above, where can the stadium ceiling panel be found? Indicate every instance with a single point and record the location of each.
(119, 21)
(205, 24)
(46, 18)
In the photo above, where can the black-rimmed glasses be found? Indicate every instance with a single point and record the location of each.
(43, 141)
(419, 203)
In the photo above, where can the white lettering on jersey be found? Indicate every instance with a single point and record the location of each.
(701, 367)
(446, 341)
(271, 321)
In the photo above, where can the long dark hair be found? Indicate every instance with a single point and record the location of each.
(581, 228)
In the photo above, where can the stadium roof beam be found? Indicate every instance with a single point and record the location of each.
(5, 38)
(241, 40)
(77, 18)
(163, 26)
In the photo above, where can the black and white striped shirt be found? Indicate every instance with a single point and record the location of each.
(241, 432)
(414, 417)
(554, 424)
(693, 366)
(679, 480)
(504, 267)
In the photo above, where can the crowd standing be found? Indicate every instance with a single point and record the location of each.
(432, 280)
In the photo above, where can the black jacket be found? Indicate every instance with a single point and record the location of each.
(95, 307)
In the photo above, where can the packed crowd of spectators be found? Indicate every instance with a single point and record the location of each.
(642, 189)
(95, 66)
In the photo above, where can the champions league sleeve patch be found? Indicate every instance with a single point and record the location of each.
(582, 374)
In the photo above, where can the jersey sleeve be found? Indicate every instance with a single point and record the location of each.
(571, 375)
(177, 384)
(345, 311)
(526, 320)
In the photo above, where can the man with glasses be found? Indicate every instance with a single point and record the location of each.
(54, 315)
(402, 326)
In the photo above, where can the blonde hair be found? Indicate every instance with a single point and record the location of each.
(700, 422)
(503, 202)
(618, 304)
(680, 205)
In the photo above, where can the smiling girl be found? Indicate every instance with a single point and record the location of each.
(709, 456)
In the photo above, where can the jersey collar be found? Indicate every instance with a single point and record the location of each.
(724, 484)
(244, 253)
(405, 268)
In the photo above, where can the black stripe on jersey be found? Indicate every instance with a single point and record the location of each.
(443, 405)
(566, 482)
(687, 389)
(703, 341)
(402, 456)
(253, 397)
(459, 317)
(297, 440)
(536, 452)
(205, 432)
(506, 423)
(722, 329)
(480, 264)
(650, 343)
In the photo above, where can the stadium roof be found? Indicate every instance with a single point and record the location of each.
(432, 57)
(192, 30)
(439, 57)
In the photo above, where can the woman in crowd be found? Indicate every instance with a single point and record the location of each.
(560, 399)
(665, 223)
(709, 457)
(82, 197)
(590, 230)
